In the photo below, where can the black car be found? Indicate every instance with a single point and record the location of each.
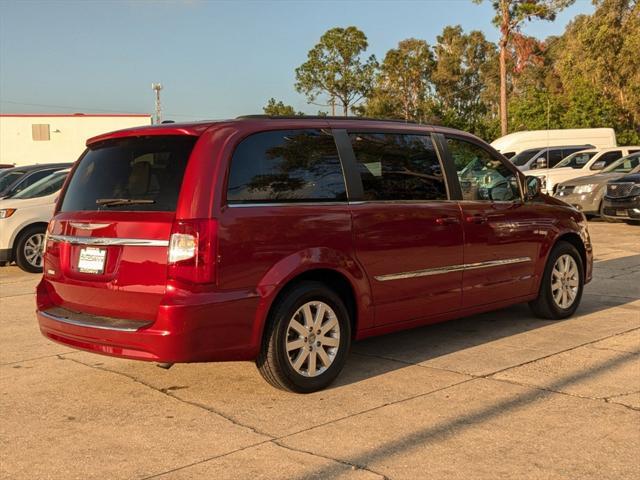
(622, 200)
(13, 180)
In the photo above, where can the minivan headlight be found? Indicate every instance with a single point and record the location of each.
(7, 212)
(585, 188)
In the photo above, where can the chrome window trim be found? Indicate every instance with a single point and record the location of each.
(451, 268)
(353, 202)
(284, 204)
(105, 241)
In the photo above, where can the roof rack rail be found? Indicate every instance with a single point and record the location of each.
(320, 117)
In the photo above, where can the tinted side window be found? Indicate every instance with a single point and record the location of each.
(30, 179)
(481, 176)
(608, 158)
(553, 157)
(398, 167)
(286, 166)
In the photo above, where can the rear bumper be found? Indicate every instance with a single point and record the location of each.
(220, 330)
(623, 209)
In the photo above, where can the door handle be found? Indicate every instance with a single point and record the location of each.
(477, 218)
(447, 220)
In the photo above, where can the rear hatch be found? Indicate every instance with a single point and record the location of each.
(108, 243)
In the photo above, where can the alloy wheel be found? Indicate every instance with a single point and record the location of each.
(565, 281)
(313, 338)
(33, 249)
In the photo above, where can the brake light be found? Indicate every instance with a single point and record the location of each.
(193, 251)
(46, 236)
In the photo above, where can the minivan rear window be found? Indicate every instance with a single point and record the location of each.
(136, 173)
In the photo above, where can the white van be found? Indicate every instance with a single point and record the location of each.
(514, 143)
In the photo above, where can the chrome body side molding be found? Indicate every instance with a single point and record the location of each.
(105, 241)
(451, 268)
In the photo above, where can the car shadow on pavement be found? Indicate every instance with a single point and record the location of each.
(415, 346)
(422, 438)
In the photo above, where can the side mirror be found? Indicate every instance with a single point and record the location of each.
(533, 185)
(541, 163)
(598, 166)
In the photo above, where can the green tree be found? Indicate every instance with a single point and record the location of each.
(510, 16)
(464, 78)
(404, 83)
(599, 66)
(335, 69)
(279, 109)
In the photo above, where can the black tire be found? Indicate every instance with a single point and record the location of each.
(632, 222)
(273, 361)
(545, 306)
(22, 243)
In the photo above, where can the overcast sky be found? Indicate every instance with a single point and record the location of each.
(216, 59)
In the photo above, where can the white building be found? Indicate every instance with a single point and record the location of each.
(26, 139)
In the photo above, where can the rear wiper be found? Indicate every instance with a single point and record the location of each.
(109, 202)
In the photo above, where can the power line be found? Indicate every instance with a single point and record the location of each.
(79, 109)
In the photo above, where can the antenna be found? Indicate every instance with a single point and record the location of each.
(156, 87)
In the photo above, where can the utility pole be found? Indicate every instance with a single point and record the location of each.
(156, 87)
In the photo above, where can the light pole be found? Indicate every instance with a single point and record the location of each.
(156, 87)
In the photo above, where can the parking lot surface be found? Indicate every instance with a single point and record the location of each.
(497, 395)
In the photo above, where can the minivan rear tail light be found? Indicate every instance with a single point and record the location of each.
(193, 251)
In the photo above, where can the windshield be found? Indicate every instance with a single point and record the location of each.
(522, 158)
(135, 173)
(7, 178)
(45, 186)
(576, 160)
(624, 165)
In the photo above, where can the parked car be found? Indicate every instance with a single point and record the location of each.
(23, 222)
(6, 165)
(535, 158)
(586, 193)
(586, 162)
(282, 240)
(622, 200)
(13, 180)
(514, 143)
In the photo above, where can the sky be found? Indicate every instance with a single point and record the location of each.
(215, 59)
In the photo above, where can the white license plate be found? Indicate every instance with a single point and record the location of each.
(91, 260)
(621, 213)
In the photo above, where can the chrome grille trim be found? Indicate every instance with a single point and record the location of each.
(106, 241)
(452, 268)
(620, 189)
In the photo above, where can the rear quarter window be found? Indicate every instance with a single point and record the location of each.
(137, 173)
(286, 166)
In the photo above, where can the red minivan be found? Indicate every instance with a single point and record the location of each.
(282, 240)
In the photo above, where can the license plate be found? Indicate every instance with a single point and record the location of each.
(621, 213)
(91, 260)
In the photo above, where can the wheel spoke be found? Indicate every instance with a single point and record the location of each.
(330, 341)
(317, 321)
(573, 282)
(324, 358)
(556, 285)
(332, 322)
(297, 326)
(308, 317)
(311, 369)
(300, 358)
(295, 344)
